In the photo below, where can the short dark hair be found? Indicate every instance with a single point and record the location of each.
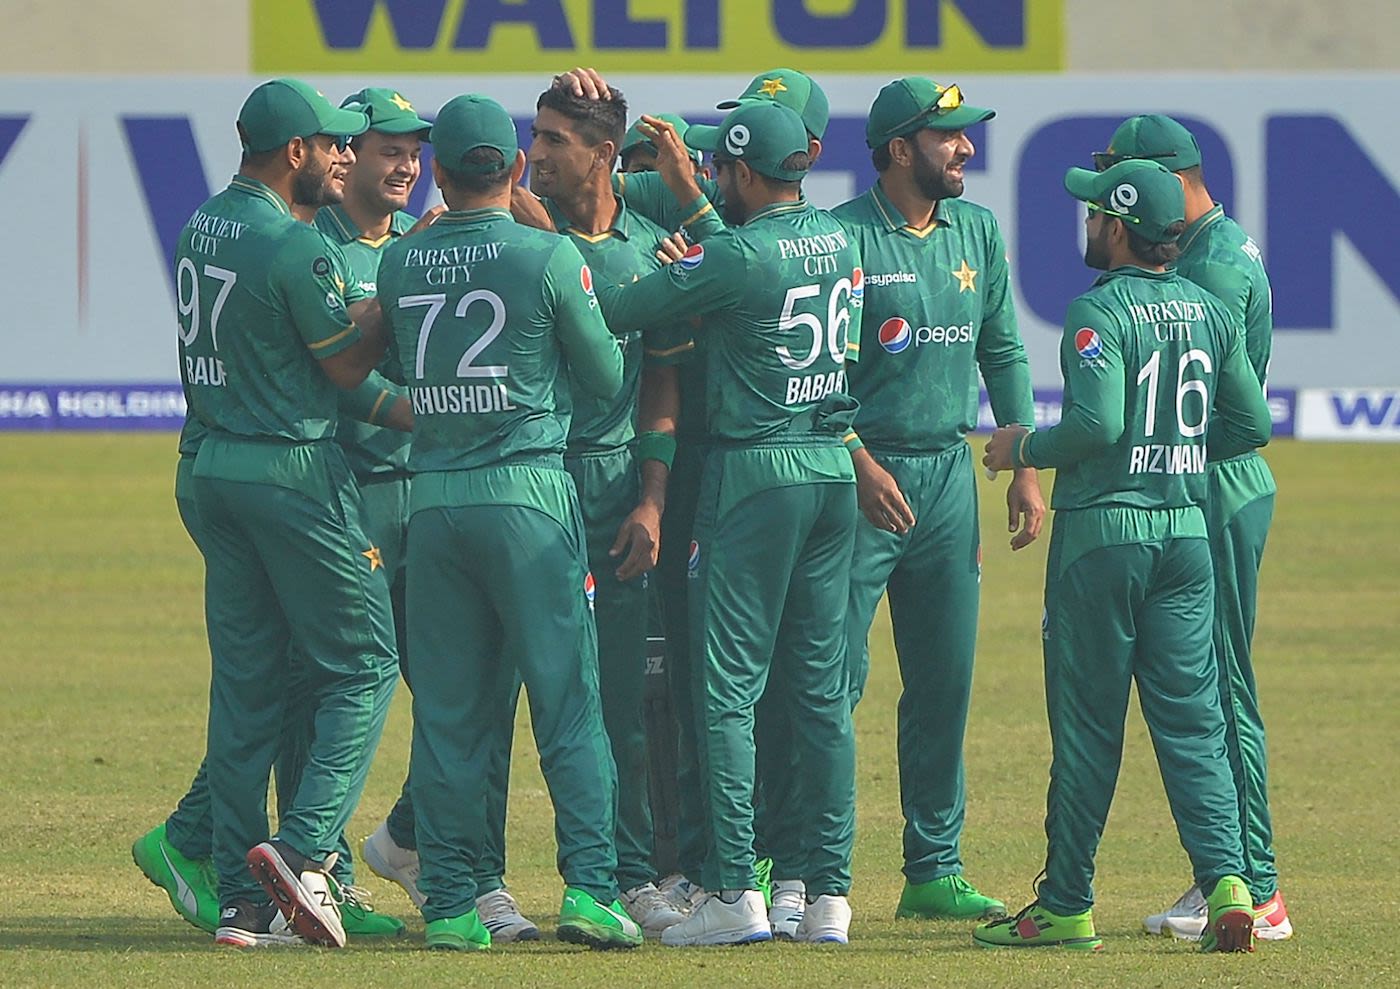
(880, 157)
(797, 161)
(478, 183)
(1153, 252)
(260, 159)
(1193, 177)
(596, 120)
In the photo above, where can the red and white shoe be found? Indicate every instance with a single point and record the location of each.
(301, 889)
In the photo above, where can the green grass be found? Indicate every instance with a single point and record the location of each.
(105, 674)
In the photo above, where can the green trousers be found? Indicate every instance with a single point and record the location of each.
(291, 596)
(767, 606)
(1238, 514)
(933, 576)
(497, 591)
(608, 488)
(674, 575)
(1116, 615)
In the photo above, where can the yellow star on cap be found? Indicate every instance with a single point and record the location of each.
(375, 560)
(400, 102)
(772, 87)
(967, 278)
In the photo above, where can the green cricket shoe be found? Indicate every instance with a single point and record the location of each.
(583, 920)
(464, 933)
(1036, 927)
(1230, 917)
(949, 898)
(359, 918)
(763, 872)
(190, 883)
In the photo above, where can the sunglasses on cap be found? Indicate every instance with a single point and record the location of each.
(1099, 207)
(949, 98)
(1104, 160)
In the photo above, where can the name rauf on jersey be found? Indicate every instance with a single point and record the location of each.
(450, 265)
(818, 252)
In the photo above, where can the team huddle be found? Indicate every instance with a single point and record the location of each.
(485, 448)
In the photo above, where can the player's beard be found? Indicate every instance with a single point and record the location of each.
(932, 179)
(311, 184)
(1096, 249)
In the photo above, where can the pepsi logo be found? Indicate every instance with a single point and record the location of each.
(692, 562)
(858, 284)
(895, 334)
(585, 277)
(693, 257)
(590, 589)
(1087, 342)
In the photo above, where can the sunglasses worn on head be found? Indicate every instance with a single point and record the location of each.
(949, 98)
(1104, 160)
(1113, 212)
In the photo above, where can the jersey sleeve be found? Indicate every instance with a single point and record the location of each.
(371, 400)
(307, 280)
(648, 194)
(698, 284)
(1001, 354)
(1093, 420)
(593, 354)
(1240, 420)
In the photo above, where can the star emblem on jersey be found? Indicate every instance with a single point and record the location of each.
(772, 87)
(400, 102)
(967, 278)
(376, 561)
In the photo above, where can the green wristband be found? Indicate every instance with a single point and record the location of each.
(653, 445)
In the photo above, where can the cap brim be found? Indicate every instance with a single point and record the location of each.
(410, 125)
(727, 105)
(347, 123)
(702, 137)
(959, 118)
(1081, 183)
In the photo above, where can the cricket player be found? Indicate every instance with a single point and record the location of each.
(618, 465)
(266, 339)
(1221, 258)
(771, 548)
(938, 309)
(485, 314)
(1155, 375)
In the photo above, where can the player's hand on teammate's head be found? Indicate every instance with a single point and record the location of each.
(671, 248)
(585, 82)
(426, 220)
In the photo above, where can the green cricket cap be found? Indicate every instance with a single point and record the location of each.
(282, 109)
(914, 103)
(388, 112)
(472, 121)
(634, 137)
(793, 89)
(1155, 136)
(1141, 192)
(760, 133)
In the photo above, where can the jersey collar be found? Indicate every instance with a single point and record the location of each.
(778, 209)
(344, 227)
(259, 190)
(481, 215)
(894, 220)
(1189, 235)
(1133, 271)
(621, 225)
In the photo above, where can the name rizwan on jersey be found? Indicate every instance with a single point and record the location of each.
(460, 399)
(1164, 458)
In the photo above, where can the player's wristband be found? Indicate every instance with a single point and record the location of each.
(853, 442)
(653, 445)
(1020, 456)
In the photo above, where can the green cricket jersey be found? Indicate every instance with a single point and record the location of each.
(260, 298)
(1220, 257)
(623, 253)
(779, 313)
(371, 449)
(483, 313)
(647, 193)
(938, 307)
(1147, 359)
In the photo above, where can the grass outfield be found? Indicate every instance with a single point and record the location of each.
(105, 673)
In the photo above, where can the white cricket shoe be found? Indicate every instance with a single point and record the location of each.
(717, 922)
(683, 894)
(301, 889)
(501, 915)
(1271, 923)
(827, 919)
(652, 909)
(1190, 907)
(789, 904)
(246, 925)
(388, 861)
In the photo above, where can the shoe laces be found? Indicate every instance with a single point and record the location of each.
(649, 898)
(496, 904)
(346, 895)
